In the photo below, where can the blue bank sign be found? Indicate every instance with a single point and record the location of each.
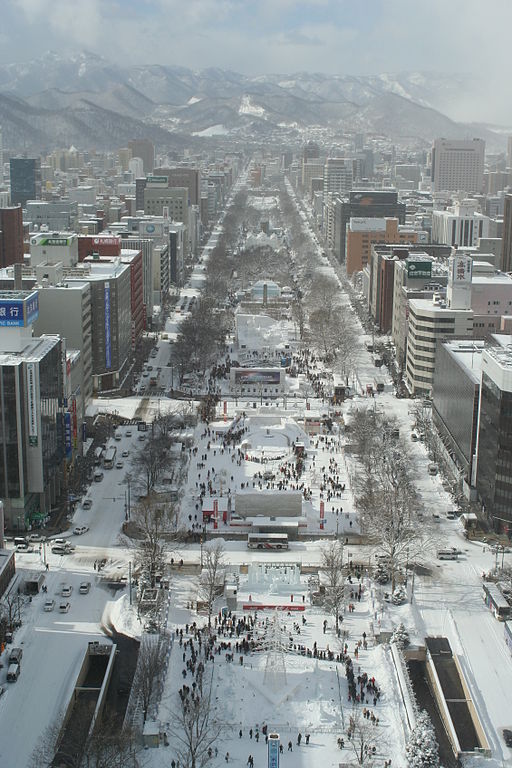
(18, 312)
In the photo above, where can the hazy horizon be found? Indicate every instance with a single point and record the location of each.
(344, 37)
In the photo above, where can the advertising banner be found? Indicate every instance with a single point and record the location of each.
(11, 313)
(273, 750)
(32, 404)
(248, 376)
(67, 435)
(419, 269)
(108, 349)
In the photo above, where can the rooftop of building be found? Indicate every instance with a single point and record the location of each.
(429, 305)
(501, 350)
(468, 354)
(35, 349)
(15, 295)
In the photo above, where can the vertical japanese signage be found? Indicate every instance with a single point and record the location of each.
(32, 404)
(273, 750)
(67, 434)
(108, 348)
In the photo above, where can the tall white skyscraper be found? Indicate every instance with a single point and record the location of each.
(338, 176)
(458, 165)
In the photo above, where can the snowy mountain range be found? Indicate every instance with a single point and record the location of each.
(89, 102)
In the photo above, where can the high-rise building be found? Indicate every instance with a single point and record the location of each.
(377, 204)
(190, 178)
(458, 165)
(11, 236)
(338, 176)
(494, 452)
(31, 418)
(459, 225)
(506, 243)
(363, 232)
(25, 180)
(145, 149)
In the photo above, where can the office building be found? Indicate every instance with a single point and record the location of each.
(459, 225)
(158, 196)
(52, 215)
(418, 276)
(133, 258)
(25, 180)
(494, 451)
(506, 243)
(362, 232)
(54, 248)
(455, 401)
(110, 285)
(145, 149)
(31, 433)
(183, 176)
(375, 204)
(11, 236)
(65, 309)
(338, 176)
(458, 165)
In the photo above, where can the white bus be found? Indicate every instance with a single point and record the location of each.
(447, 554)
(267, 541)
(109, 458)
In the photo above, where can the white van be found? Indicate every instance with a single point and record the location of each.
(13, 673)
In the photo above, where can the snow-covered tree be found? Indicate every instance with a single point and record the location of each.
(332, 565)
(400, 636)
(422, 750)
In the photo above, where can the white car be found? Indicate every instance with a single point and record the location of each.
(125, 454)
(87, 504)
(66, 590)
(64, 607)
(119, 464)
(84, 587)
(80, 529)
(49, 605)
(128, 433)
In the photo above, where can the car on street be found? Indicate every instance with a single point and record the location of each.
(64, 607)
(36, 537)
(87, 504)
(142, 437)
(119, 464)
(80, 529)
(66, 590)
(84, 587)
(128, 433)
(49, 605)
(125, 454)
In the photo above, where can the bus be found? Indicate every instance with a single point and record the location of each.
(267, 541)
(109, 458)
(495, 601)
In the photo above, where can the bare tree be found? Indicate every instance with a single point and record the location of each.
(195, 731)
(362, 736)
(385, 496)
(155, 534)
(150, 669)
(148, 463)
(332, 567)
(210, 579)
(107, 746)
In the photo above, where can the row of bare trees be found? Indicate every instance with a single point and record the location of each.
(390, 509)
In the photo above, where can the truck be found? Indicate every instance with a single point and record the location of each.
(378, 383)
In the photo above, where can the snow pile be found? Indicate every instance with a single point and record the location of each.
(121, 617)
(248, 108)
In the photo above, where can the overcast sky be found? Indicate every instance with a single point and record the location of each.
(260, 36)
